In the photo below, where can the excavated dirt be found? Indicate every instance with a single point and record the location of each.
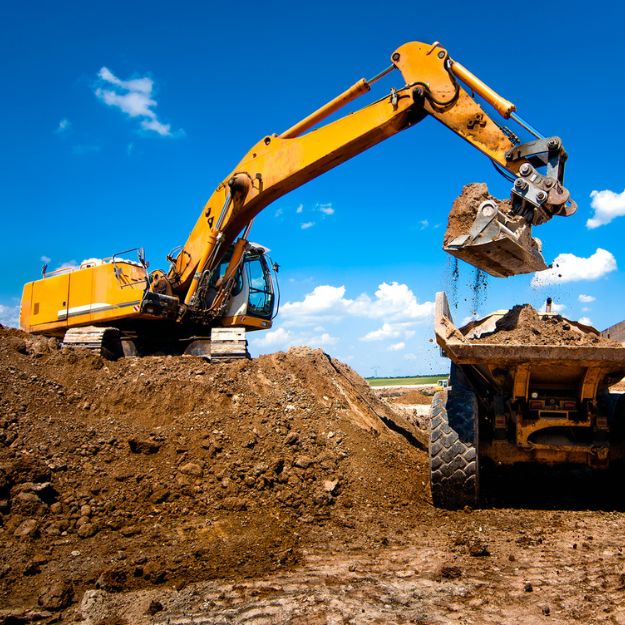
(522, 325)
(273, 491)
(464, 209)
(122, 475)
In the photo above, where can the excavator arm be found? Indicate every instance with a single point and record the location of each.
(278, 164)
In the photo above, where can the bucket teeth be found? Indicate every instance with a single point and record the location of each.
(498, 244)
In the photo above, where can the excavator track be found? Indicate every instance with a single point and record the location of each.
(102, 341)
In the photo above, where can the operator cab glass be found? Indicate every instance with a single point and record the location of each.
(261, 294)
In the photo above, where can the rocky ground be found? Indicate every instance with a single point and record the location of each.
(279, 490)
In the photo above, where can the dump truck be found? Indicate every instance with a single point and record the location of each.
(522, 401)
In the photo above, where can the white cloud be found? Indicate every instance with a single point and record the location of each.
(153, 124)
(300, 209)
(423, 224)
(391, 331)
(141, 85)
(587, 321)
(586, 299)
(64, 126)
(585, 308)
(271, 338)
(10, 315)
(279, 212)
(397, 347)
(68, 264)
(307, 224)
(45, 259)
(555, 307)
(570, 268)
(607, 206)
(282, 338)
(133, 97)
(392, 302)
(326, 209)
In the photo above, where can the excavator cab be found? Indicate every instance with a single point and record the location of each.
(254, 294)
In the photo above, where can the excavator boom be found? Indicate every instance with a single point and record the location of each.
(278, 164)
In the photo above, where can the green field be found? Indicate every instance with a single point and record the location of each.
(419, 379)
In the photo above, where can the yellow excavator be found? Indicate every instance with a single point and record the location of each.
(219, 284)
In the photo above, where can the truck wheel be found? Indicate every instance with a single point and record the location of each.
(454, 465)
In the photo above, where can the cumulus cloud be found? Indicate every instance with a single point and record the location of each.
(69, 265)
(326, 209)
(300, 209)
(393, 302)
(391, 331)
(307, 224)
(607, 206)
(555, 307)
(571, 268)
(135, 98)
(587, 321)
(64, 126)
(586, 299)
(282, 338)
(45, 259)
(397, 347)
(10, 315)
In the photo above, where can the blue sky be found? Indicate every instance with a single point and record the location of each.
(86, 174)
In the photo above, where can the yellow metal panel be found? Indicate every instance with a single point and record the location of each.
(110, 288)
(25, 306)
(80, 288)
(49, 301)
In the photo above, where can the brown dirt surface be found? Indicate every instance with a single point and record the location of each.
(413, 397)
(522, 325)
(122, 475)
(274, 491)
(464, 209)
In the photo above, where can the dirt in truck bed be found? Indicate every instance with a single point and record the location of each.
(277, 490)
(522, 325)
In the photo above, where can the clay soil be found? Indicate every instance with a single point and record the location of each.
(278, 490)
(465, 207)
(522, 325)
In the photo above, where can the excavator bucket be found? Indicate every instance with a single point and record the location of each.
(490, 238)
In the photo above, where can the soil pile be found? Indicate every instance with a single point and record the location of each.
(522, 325)
(129, 474)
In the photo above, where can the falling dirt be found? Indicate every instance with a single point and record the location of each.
(279, 490)
(480, 286)
(454, 278)
(522, 325)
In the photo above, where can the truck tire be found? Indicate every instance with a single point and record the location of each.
(454, 461)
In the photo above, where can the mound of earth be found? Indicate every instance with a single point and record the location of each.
(131, 474)
(522, 325)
